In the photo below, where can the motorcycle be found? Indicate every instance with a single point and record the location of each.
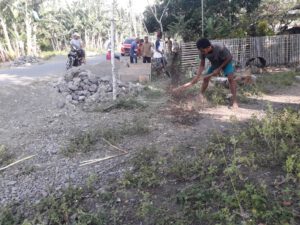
(74, 58)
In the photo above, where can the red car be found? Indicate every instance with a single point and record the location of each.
(125, 48)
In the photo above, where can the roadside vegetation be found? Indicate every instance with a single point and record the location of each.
(265, 84)
(5, 156)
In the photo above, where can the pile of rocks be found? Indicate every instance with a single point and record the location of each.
(81, 85)
(25, 60)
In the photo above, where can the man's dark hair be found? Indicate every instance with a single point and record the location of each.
(203, 43)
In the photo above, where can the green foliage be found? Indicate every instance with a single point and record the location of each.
(122, 103)
(152, 92)
(5, 156)
(8, 217)
(217, 95)
(82, 143)
(129, 104)
(270, 82)
(86, 142)
(263, 29)
(221, 18)
(49, 54)
(275, 138)
(145, 172)
(61, 210)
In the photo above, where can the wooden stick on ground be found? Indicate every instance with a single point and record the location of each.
(121, 150)
(16, 162)
(88, 162)
(91, 161)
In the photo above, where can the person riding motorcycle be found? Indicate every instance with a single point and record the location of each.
(77, 43)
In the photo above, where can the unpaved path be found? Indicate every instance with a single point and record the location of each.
(54, 67)
(34, 121)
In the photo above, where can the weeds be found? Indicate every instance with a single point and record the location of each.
(122, 103)
(46, 55)
(9, 217)
(152, 92)
(275, 139)
(87, 142)
(145, 172)
(270, 82)
(82, 143)
(5, 156)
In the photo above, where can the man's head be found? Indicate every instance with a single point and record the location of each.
(159, 35)
(76, 35)
(204, 46)
(146, 39)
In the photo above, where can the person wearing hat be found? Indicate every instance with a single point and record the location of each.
(78, 44)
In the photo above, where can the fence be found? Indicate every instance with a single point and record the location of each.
(277, 50)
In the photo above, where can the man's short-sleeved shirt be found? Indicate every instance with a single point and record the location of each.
(133, 48)
(159, 46)
(77, 43)
(219, 54)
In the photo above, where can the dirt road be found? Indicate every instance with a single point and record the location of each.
(46, 69)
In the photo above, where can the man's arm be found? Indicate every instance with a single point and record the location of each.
(218, 70)
(194, 80)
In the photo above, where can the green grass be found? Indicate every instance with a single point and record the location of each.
(49, 54)
(265, 84)
(270, 82)
(122, 103)
(5, 156)
(87, 142)
(153, 92)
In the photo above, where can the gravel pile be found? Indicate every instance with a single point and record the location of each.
(25, 60)
(81, 85)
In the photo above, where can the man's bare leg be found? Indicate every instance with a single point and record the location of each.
(204, 85)
(203, 89)
(232, 86)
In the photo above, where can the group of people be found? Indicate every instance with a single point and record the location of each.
(147, 50)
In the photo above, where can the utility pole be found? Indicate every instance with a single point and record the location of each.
(112, 42)
(202, 19)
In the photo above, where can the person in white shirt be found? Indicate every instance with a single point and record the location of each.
(78, 44)
(158, 55)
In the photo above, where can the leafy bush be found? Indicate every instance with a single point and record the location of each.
(5, 156)
(275, 138)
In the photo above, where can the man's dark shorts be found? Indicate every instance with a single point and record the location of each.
(146, 59)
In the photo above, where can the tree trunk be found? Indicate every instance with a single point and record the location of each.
(28, 30)
(6, 36)
(2, 53)
(34, 41)
(28, 34)
(19, 44)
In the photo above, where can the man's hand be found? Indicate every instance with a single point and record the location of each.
(216, 72)
(178, 90)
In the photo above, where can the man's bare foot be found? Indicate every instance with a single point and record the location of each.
(202, 98)
(234, 105)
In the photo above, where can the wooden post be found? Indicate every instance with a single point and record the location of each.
(112, 41)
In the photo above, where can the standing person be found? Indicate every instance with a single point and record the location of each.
(146, 50)
(221, 60)
(133, 51)
(140, 45)
(169, 45)
(158, 55)
(78, 44)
